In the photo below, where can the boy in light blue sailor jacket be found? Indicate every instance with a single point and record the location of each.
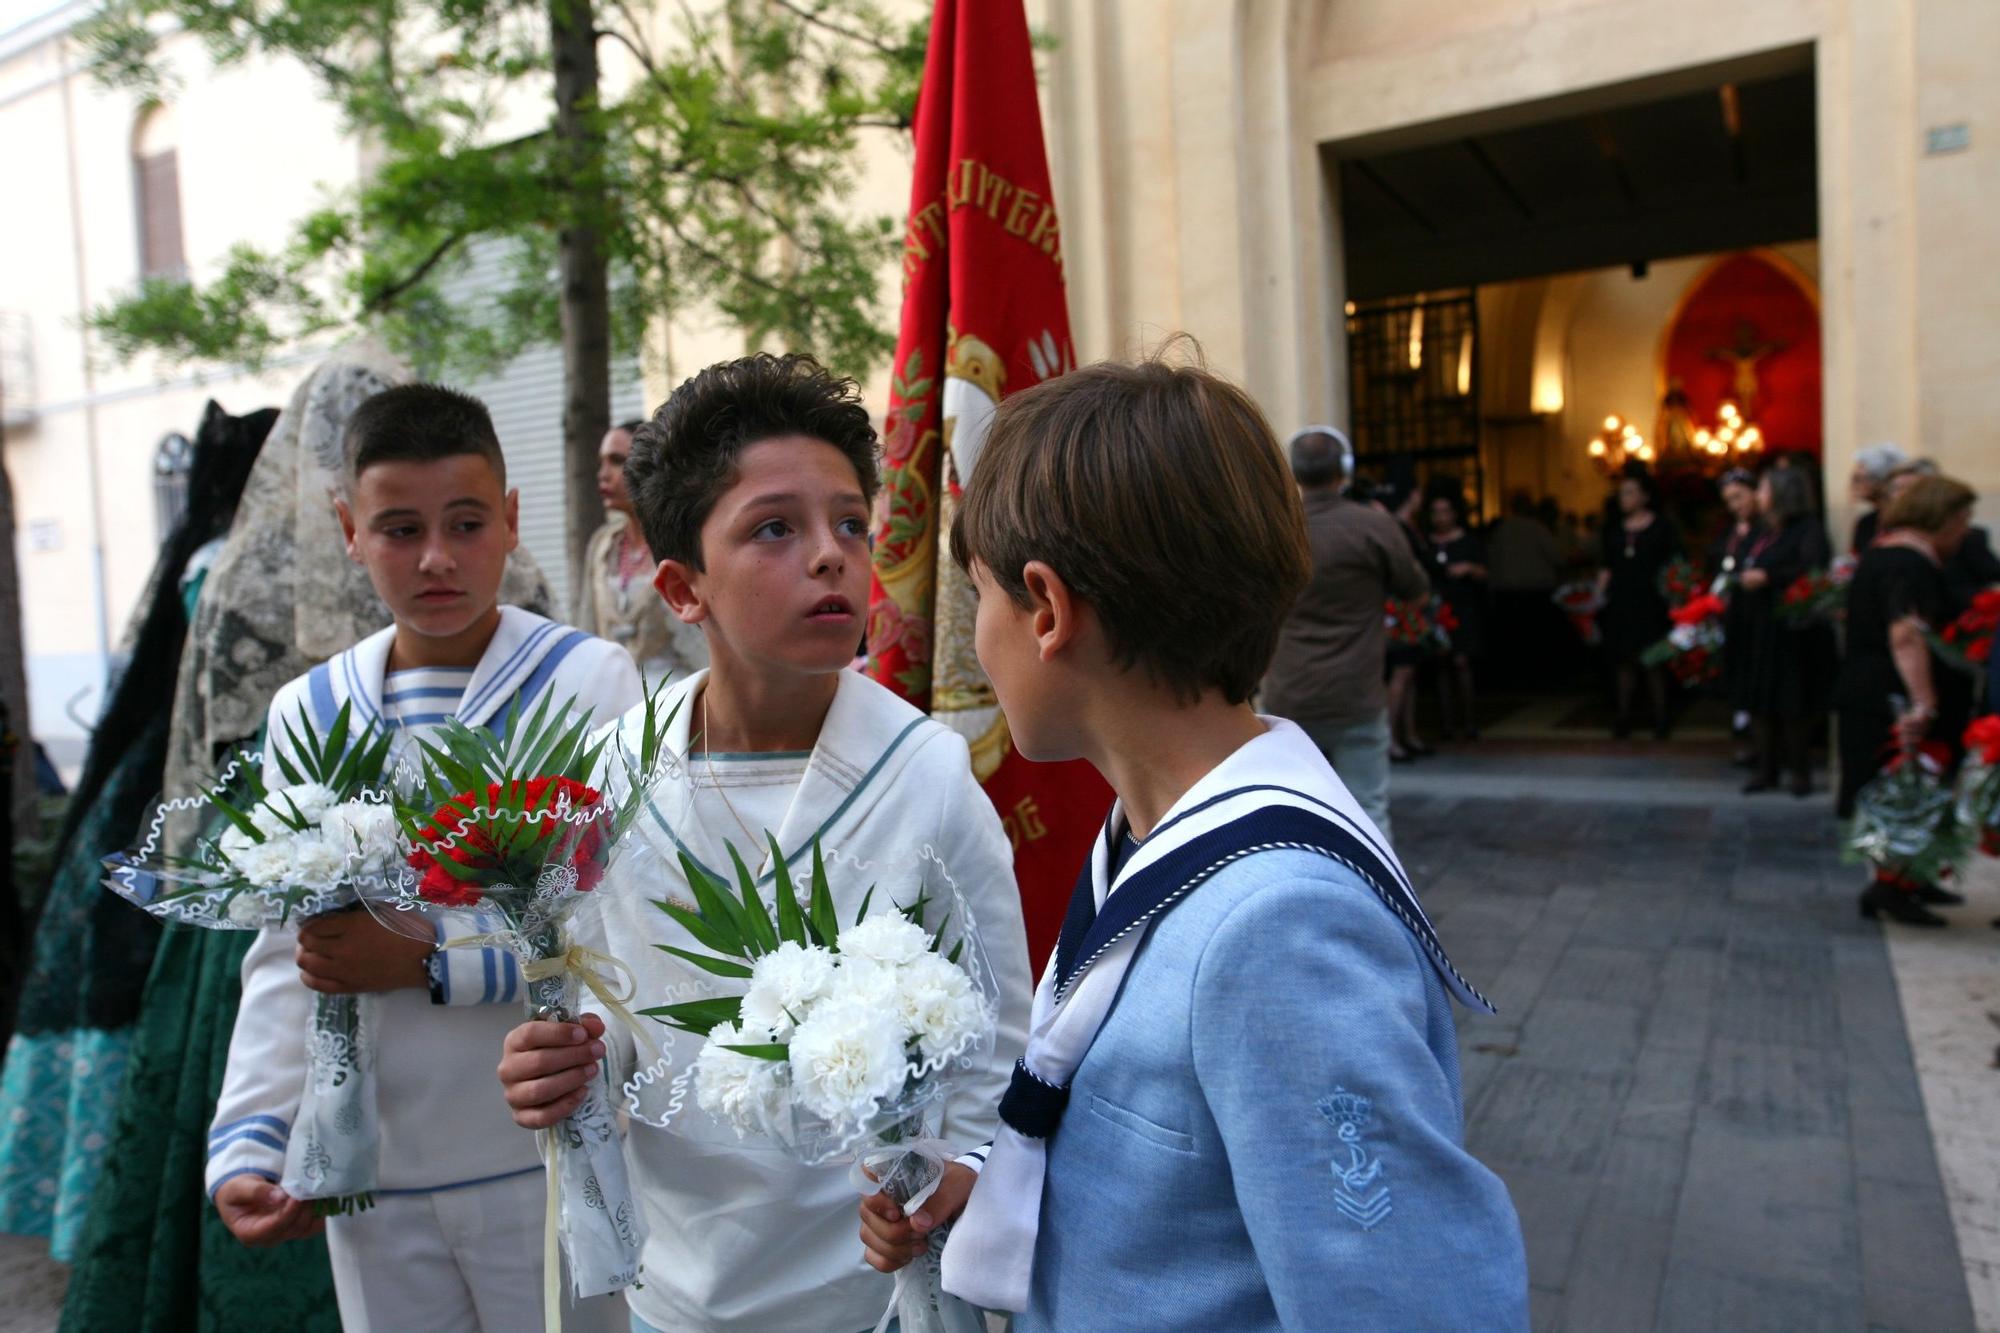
(753, 484)
(1239, 1107)
(453, 1239)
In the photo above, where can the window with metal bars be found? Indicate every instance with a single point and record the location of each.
(1413, 372)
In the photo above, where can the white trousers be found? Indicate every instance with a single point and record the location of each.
(466, 1260)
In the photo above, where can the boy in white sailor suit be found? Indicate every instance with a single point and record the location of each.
(1239, 1106)
(453, 1238)
(753, 483)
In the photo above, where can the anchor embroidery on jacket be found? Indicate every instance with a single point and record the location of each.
(1349, 1113)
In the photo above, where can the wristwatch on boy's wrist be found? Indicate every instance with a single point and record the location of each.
(434, 975)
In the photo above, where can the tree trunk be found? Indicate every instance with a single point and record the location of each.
(583, 273)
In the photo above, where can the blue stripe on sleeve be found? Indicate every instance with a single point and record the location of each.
(273, 1121)
(252, 1135)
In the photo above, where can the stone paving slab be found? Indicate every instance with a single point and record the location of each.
(1701, 1088)
(32, 1285)
(1948, 982)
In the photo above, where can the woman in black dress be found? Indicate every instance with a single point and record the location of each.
(1638, 544)
(1786, 665)
(1458, 572)
(1726, 557)
(1401, 498)
(1894, 692)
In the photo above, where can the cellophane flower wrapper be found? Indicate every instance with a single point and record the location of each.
(324, 839)
(513, 844)
(836, 1035)
(1906, 824)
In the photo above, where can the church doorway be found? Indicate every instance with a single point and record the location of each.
(1537, 304)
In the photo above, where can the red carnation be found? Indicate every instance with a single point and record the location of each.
(1983, 738)
(460, 831)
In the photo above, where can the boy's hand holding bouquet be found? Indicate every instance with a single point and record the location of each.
(515, 839)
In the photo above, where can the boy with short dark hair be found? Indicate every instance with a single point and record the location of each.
(1245, 1033)
(753, 483)
(453, 1237)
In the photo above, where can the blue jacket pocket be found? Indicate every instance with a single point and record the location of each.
(1134, 1123)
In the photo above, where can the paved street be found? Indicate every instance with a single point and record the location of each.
(1699, 1090)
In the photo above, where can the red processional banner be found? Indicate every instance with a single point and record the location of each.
(983, 315)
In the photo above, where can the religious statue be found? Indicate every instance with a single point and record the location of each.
(1674, 431)
(1744, 354)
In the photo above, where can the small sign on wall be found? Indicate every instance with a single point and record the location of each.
(45, 534)
(1941, 139)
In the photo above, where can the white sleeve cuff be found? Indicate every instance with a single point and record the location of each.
(976, 1159)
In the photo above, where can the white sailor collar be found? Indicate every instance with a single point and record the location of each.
(870, 735)
(522, 658)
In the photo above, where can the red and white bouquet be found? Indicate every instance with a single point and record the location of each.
(1692, 650)
(1967, 642)
(514, 836)
(1426, 624)
(1979, 783)
(1818, 595)
(1581, 603)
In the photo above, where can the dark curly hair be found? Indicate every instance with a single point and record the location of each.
(684, 459)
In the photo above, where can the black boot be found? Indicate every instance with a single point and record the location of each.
(1764, 776)
(1933, 896)
(1879, 900)
(1796, 741)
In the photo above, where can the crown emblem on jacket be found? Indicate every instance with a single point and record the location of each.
(1350, 1111)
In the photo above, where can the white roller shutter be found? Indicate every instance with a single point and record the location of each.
(525, 398)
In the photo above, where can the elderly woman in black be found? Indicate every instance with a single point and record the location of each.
(1894, 692)
(1786, 664)
(1726, 556)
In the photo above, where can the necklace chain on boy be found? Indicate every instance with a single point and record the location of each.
(708, 758)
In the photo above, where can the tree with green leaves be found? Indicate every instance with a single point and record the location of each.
(716, 178)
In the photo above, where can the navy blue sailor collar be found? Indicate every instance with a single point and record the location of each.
(1213, 832)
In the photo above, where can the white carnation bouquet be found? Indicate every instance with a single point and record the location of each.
(842, 1039)
(327, 840)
